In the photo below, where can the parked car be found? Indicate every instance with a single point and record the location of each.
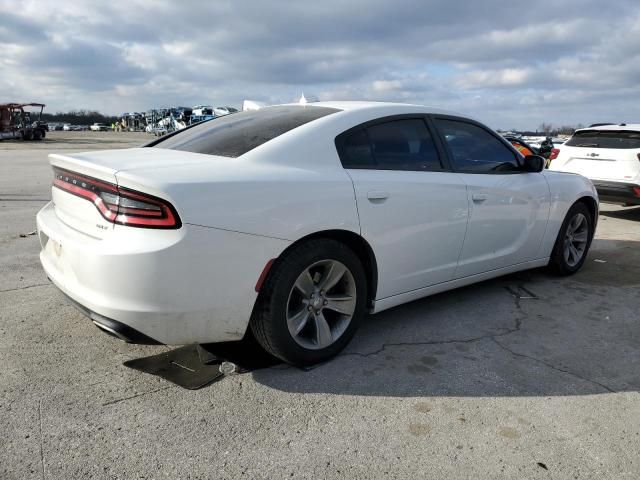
(99, 127)
(521, 146)
(220, 111)
(609, 155)
(295, 221)
(528, 149)
(202, 110)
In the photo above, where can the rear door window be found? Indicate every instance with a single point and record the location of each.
(236, 134)
(403, 145)
(394, 145)
(605, 139)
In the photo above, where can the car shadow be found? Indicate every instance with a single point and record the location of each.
(630, 213)
(527, 334)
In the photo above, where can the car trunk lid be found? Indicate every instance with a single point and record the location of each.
(97, 171)
(74, 210)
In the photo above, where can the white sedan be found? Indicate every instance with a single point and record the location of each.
(99, 127)
(297, 220)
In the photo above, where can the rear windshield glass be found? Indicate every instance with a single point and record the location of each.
(234, 135)
(605, 139)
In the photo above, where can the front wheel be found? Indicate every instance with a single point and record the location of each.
(311, 303)
(573, 242)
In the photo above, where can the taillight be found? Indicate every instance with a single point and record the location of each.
(636, 190)
(554, 153)
(118, 204)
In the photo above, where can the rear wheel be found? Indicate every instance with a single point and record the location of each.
(573, 242)
(312, 303)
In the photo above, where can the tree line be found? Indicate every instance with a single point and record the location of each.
(78, 117)
(551, 130)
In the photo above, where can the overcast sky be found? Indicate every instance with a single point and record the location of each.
(512, 64)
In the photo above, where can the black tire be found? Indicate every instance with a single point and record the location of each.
(36, 135)
(269, 318)
(558, 264)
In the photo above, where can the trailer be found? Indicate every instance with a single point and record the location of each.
(18, 123)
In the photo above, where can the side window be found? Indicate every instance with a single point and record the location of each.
(394, 145)
(403, 145)
(474, 150)
(356, 151)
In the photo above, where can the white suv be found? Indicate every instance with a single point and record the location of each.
(609, 156)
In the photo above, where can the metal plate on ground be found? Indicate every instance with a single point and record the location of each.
(196, 366)
(181, 366)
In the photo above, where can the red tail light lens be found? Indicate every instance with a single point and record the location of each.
(554, 153)
(636, 191)
(118, 204)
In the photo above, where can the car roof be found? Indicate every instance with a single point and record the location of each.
(383, 107)
(623, 126)
(340, 117)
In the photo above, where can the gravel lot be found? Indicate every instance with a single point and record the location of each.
(474, 383)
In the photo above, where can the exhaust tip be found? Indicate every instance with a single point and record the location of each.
(111, 331)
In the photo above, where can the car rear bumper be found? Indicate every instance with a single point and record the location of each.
(618, 192)
(113, 327)
(192, 285)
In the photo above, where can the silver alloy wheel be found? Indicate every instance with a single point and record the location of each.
(321, 304)
(575, 240)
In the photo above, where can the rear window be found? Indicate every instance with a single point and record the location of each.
(236, 134)
(605, 139)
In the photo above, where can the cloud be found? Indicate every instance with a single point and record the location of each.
(509, 63)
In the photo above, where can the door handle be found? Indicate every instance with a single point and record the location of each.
(479, 197)
(377, 195)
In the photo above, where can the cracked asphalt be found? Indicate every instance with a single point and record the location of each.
(525, 376)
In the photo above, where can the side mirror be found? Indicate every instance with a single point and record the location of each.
(533, 163)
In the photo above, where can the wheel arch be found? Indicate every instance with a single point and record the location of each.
(356, 243)
(556, 263)
(592, 205)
